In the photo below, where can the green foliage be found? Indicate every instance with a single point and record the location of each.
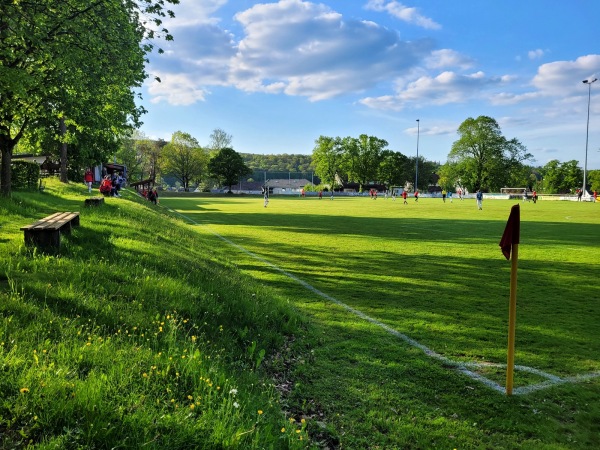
(228, 166)
(562, 178)
(328, 157)
(279, 163)
(77, 64)
(593, 177)
(362, 158)
(184, 159)
(484, 159)
(25, 175)
(394, 168)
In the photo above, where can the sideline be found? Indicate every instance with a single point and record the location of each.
(465, 368)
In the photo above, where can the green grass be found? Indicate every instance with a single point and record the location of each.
(149, 330)
(433, 272)
(136, 335)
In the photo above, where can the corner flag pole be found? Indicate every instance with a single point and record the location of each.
(510, 244)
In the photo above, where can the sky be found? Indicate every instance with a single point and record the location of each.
(276, 75)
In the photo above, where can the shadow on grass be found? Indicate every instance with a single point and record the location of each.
(456, 305)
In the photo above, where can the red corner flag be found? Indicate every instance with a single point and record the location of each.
(511, 232)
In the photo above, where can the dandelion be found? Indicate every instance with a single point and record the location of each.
(192, 406)
(303, 421)
(283, 430)
(145, 375)
(190, 397)
(292, 420)
(260, 412)
(194, 338)
(26, 390)
(297, 431)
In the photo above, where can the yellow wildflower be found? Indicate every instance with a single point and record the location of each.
(24, 390)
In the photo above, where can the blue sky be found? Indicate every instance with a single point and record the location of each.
(277, 75)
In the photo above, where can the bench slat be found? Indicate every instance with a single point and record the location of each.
(54, 221)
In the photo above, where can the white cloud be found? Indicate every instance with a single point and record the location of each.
(447, 87)
(535, 54)
(445, 58)
(404, 13)
(293, 47)
(189, 13)
(565, 77)
(307, 49)
(176, 89)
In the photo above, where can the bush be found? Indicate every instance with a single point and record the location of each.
(25, 175)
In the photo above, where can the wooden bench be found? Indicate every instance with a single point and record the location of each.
(46, 232)
(94, 201)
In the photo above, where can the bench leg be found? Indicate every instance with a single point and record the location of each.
(45, 239)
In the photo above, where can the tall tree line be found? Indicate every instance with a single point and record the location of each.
(366, 160)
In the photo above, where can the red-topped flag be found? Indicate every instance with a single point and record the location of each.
(511, 232)
(510, 244)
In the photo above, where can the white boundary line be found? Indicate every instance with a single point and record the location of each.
(463, 367)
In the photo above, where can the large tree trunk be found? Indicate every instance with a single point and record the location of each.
(6, 146)
(63, 152)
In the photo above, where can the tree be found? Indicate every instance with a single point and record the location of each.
(219, 139)
(227, 166)
(327, 158)
(593, 177)
(362, 158)
(74, 63)
(482, 158)
(184, 159)
(393, 168)
(562, 178)
(427, 172)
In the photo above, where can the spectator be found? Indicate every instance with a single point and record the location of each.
(88, 179)
(153, 196)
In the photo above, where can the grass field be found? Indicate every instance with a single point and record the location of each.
(345, 324)
(434, 272)
(430, 278)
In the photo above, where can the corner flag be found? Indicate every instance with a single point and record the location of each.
(510, 244)
(511, 232)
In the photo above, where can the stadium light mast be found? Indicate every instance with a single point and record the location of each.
(417, 161)
(587, 131)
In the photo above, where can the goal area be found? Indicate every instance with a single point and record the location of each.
(513, 190)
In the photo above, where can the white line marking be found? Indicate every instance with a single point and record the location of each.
(463, 367)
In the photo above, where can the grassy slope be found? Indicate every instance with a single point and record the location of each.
(137, 333)
(451, 280)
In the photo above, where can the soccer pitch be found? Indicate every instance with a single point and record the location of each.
(431, 273)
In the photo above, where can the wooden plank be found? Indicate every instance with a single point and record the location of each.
(54, 221)
(45, 233)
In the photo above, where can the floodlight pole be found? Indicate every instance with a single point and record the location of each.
(587, 132)
(417, 161)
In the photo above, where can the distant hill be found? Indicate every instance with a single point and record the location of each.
(279, 163)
